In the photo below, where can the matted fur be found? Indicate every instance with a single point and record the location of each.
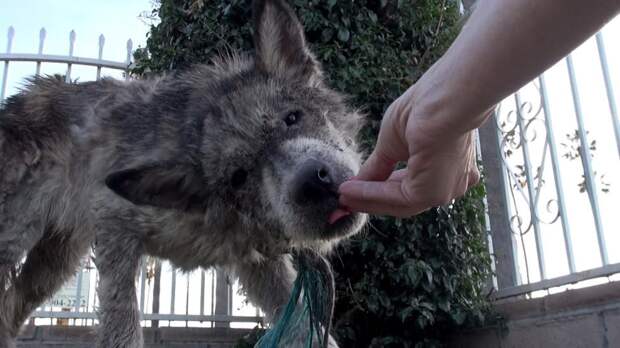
(203, 168)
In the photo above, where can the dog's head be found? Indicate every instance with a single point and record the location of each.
(274, 142)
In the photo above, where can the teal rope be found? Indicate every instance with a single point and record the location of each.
(315, 281)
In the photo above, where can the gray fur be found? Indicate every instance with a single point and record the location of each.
(197, 167)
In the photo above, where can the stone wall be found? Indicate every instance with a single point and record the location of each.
(588, 317)
(169, 337)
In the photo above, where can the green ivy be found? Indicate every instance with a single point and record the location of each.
(407, 282)
(402, 282)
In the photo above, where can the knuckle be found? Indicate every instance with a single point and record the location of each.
(474, 177)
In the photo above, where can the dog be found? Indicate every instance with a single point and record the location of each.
(233, 164)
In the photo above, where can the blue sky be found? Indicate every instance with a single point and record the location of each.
(116, 19)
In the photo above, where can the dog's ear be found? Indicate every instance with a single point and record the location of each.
(165, 185)
(280, 44)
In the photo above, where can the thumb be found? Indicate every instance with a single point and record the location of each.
(390, 147)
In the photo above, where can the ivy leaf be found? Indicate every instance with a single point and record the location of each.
(414, 276)
(372, 16)
(458, 316)
(444, 305)
(429, 276)
(405, 313)
(327, 34)
(343, 34)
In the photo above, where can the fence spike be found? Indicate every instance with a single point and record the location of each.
(129, 50)
(71, 45)
(101, 43)
(71, 42)
(42, 34)
(10, 35)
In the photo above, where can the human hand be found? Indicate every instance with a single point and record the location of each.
(441, 164)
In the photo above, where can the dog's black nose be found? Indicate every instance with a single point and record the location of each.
(314, 183)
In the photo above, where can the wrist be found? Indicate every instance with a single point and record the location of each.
(446, 107)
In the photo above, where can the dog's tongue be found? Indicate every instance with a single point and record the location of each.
(337, 215)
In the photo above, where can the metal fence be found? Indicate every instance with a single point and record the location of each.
(204, 298)
(552, 164)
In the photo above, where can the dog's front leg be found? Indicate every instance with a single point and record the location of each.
(268, 285)
(118, 258)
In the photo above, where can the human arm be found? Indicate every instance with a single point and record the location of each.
(504, 44)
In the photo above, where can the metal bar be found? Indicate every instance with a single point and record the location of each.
(222, 306)
(505, 179)
(540, 172)
(568, 242)
(71, 46)
(530, 189)
(78, 291)
(187, 275)
(212, 272)
(173, 290)
(152, 316)
(600, 43)
(5, 75)
(504, 253)
(156, 291)
(42, 34)
(100, 55)
(559, 281)
(586, 159)
(492, 281)
(128, 58)
(50, 58)
(202, 292)
(230, 299)
(142, 284)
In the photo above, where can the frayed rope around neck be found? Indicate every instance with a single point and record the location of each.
(308, 313)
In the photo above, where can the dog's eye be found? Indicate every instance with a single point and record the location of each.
(292, 118)
(238, 178)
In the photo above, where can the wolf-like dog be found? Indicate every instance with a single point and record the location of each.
(232, 164)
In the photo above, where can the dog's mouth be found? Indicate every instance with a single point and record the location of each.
(338, 214)
(340, 222)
